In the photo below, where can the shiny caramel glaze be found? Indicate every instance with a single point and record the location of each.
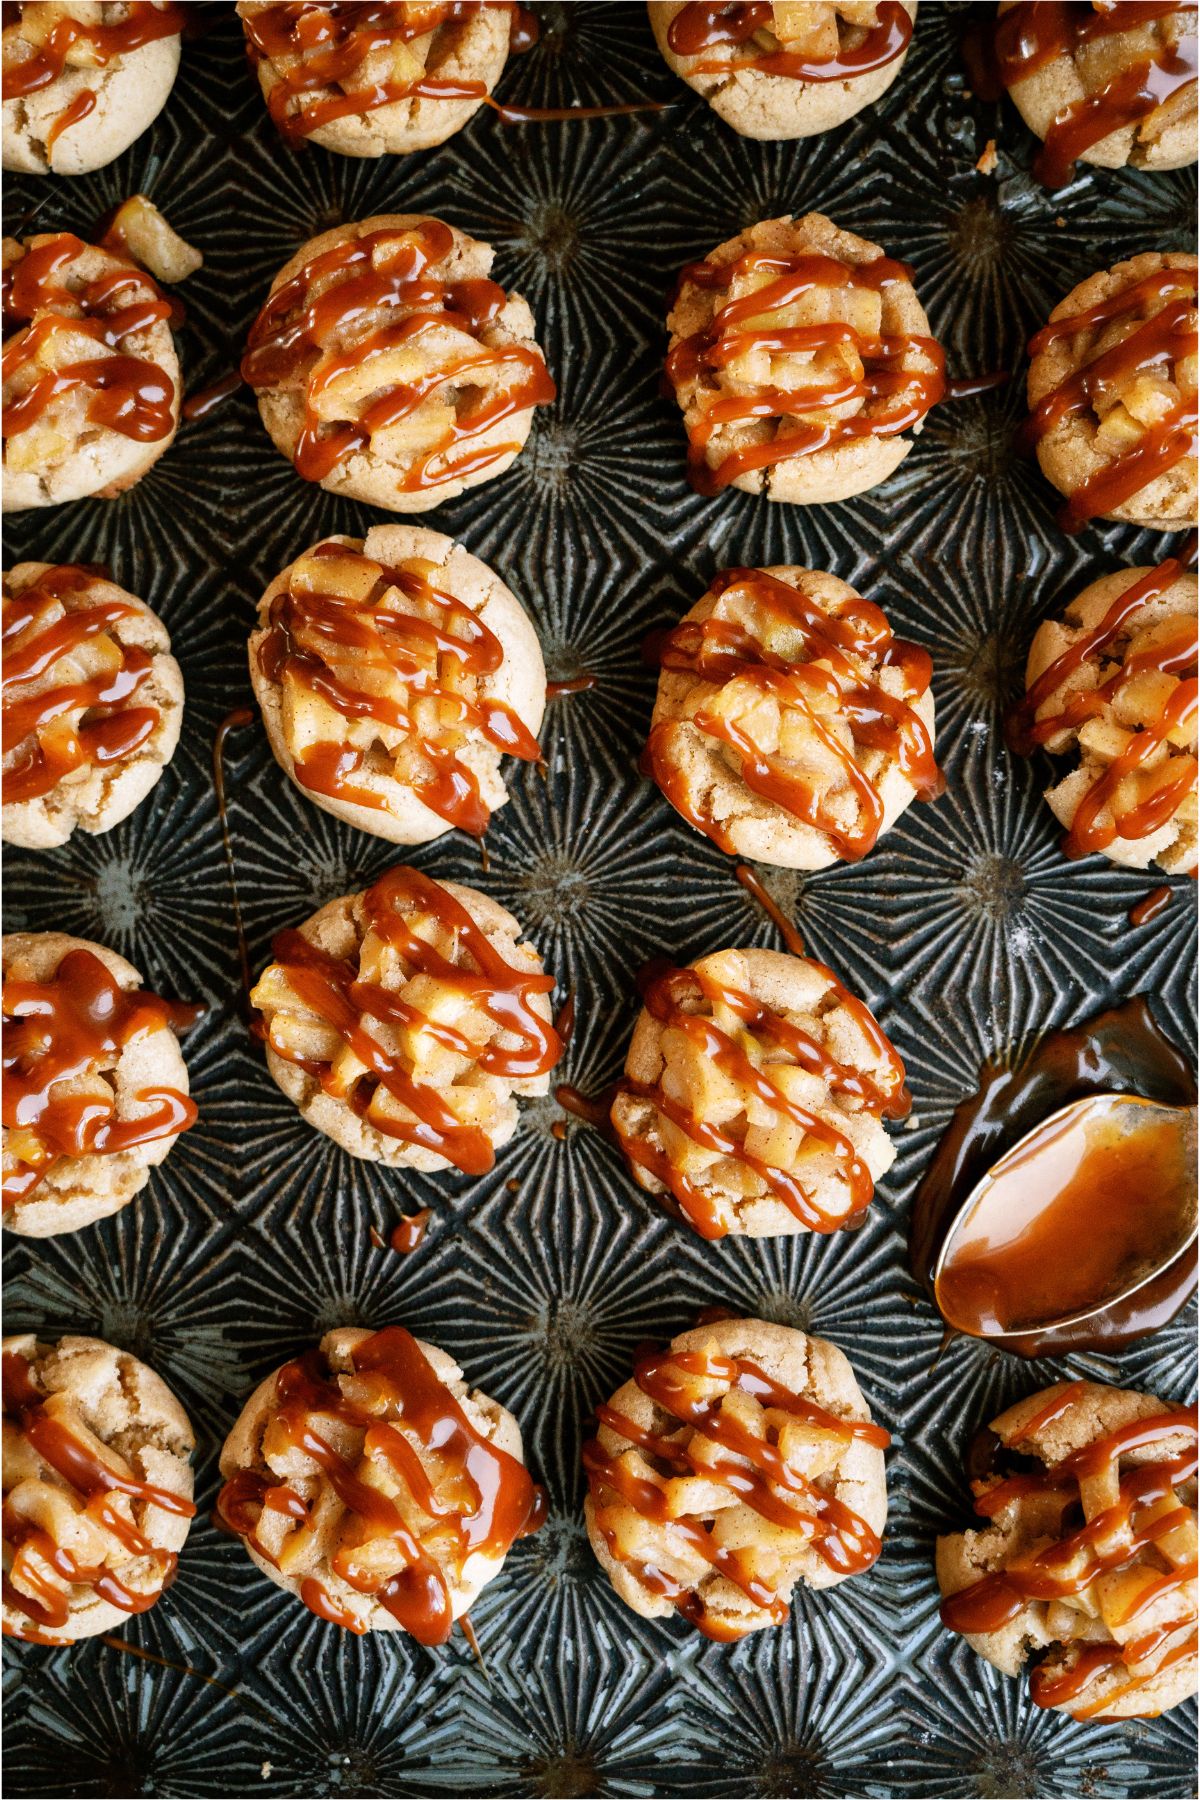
(705, 25)
(421, 1493)
(142, 23)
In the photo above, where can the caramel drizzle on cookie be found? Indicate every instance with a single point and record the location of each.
(1102, 814)
(722, 649)
(331, 988)
(894, 395)
(290, 344)
(141, 24)
(756, 1472)
(126, 393)
(318, 640)
(703, 25)
(65, 1030)
(682, 1000)
(1147, 1510)
(72, 723)
(1035, 33)
(34, 1558)
(473, 1497)
(1166, 336)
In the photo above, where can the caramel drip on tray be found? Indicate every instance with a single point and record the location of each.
(142, 24)
(110, 728)
(388, 269)
(721, 649)
(756, 1472)
(1167, 336)
(126, 393)
(894, 397)
(58, 1031)
(331, 988)
(1148, 1508)
(34, 1557)
(319, 641)
(1100, 817)
(704, 25)
(1034, 33)
(476, 1499)
(672, 996)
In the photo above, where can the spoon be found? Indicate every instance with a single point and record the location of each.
(1089, 1207)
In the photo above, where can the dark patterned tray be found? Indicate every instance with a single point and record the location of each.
(967, 931)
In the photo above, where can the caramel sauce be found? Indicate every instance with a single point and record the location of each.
(31, 1550)
(424, 660)
(1074, 1218)
(1155, 902)
(673, 997)
(590, 1109)
(704, 25)
(476, 1498)
(564, 1020)
(1032, 34)
(388, 269)
(331, 988)
(55, 1032)
(576, 684)
(81, 107)
(965, 387)
(1090, 829)
(721, 649)
(126, 393)
(405, 1237)
(1068, 1565)
(112, 725)
(142, 23)
(1121, 1051)
(1167, 336)
(755, 887)
(757, 1473)
(206, 400)
(894, 398)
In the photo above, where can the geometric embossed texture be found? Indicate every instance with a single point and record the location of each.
(966, 931)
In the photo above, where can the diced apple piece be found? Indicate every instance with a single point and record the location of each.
(431, 427)
(140, 231)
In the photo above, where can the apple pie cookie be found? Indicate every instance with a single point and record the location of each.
(785, 70)
(735, 1465)
(1087, 1559)
(1112, 395)
(377, 80)
(366, 1478)
(97, 1488)
(389, 367)
(83, 79)
(404, 1021)
(393, 674)
(790, 725)
(802, 361)
(92, 703)
(753, 1095)
(95, 1087)
(91, 379)
(1115, 680)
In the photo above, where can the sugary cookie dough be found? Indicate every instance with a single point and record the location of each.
(389, 367)
(83, 1553)
(703, 1460)
(93, 703)
(393, 674)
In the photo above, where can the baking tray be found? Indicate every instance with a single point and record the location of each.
(966, 930)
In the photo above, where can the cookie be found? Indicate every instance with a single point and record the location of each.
(790, 725)
(788, 310)
(1112, 395)
(93, 703)
(736, 1465)
(395, 79)
(97, 1488)
(91, 380)
(1088, 1557)
(367, 1479)
(404, 1021)
(1114, 682)
(785, 71)
(753, 1093)
(393, 674)
(96, 1090)
(1108, 85)
(389, 367)
(82, 81)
